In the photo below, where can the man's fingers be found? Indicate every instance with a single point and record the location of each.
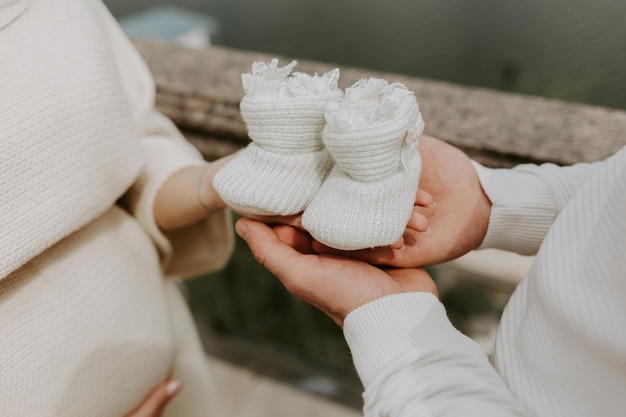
(377, 256)
(294, 220)
(418, 222)
(156, 401)
(295, 238)
(275, 255)
(424, 199)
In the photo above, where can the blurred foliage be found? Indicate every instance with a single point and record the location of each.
(466, 300)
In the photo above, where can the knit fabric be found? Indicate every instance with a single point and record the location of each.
(561, 346)
(286, 163)
(88, 325)
(11, 10)
(367, 199)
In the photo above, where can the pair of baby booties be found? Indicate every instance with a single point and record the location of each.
(347, 161)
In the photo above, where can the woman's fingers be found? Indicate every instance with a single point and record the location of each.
(155, 402)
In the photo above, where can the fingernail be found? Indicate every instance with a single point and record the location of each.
(242, 230)
(172, 387)
(428, 230)
(433, 204)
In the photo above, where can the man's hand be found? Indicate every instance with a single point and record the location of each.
(458, 221)
(334, 284)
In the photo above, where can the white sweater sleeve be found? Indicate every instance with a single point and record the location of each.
(201, 247)
(526, 200)
(413, 362)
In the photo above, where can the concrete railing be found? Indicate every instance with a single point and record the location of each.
(201, 90)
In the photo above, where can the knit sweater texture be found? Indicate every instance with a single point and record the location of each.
(88, 322)
(561, 346)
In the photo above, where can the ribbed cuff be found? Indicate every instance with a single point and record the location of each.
(382, 331)
(522, 212)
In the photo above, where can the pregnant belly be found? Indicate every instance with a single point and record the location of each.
(85, 327)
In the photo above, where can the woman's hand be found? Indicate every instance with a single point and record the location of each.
(188, 196)
(458, 222)
(333, 284)
(155, 402)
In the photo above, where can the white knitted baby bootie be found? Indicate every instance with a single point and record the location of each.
(367, 199)
(286, 163)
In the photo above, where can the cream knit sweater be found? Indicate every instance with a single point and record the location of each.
(561, 348)
(88, 325)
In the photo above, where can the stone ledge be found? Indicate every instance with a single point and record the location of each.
(201, 90)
